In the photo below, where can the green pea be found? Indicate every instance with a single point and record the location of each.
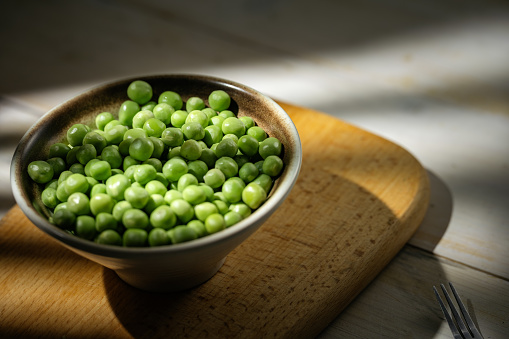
(172, 137)
(209, 191)
(58, 165)
(186, 180)
(178, 118)
(76, 133)
(163, 112)
(59, 150)
(100, 170)
(171, 195)
(197, 168)
(226, 148)
(163, 217)
(76, 183)
(158, 237)
(264, 181)
(78, 203)
(214, 178)
(222, 207)
(99, 188)
(85, 227)
(141, 117)
(248, 145)
(231, 136)
(193, 130)
(64, 218)
(171, 98)
(232, 190)
(79, 168)
(248, 172)
(149, 106)
(49, 197)
(135, 218)
(199, 117)
(130, 162)
(158, 147)
(208, 157)
(96, 139)
(248, 122)
(272, 165)
(241, 159)
(219, 100)
(194, 103)
(71, 156)
(270, 146)
(217, 121)
(228, 166)
(137, 196)
(182, 209)
(116, 186)
(112, 155)
(257, 132)
(119, 209)
(109, 237)
(210, 113)
(194, 195)
(112, 124)
(215, 223)
(115, 135)
(155, 187)
(61, 206)
(253, 195)
(135, 237)
(227, 114)
(233, 125)
(53, 183)
(154, 201)
(174, 168)
(100, 203)
(213, 135)
(161, 178)
(242, 209)
(141, 149)
(198, 227)
(231, 218)
(181, 234)
(220, 196)
(127, 111)
(105, 221)
(124, 145)
(144, 173)
(86, 153)
(40, 171)
(139, 91)
(190, 150)
(102, 119)
(135, 133)
(62, 194)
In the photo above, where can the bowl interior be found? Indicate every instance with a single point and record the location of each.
(52, 127)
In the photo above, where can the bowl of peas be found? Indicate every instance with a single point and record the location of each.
(157, 177)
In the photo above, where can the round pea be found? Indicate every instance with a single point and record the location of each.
(198, 227)
(155, 187)
(78, 203)
(193, 130)
(219, 100)
(154, 127)
(115, 135)
(194, 103)
(135, 218)
(272, 165)
(228, 166)
(214, 178)
(76, 133)
(178, 118)
(40, 171)
(137, 196)
(109, 237)
(213, 135)
(208, 157)
(79, 168)
(49, 197)
(194, 195)
(100, 203)
(98, 188)
(127, 111)
(102, 119)
(163, 217)
(186, 180)
(264, 181)
(96, 139)
(105, 221)
(253, 195)
(174, 168)
(171, 98)
(198, 168)
(190, 150)
(116, 186)
(85, 227)
(119, 209)
(231, 218)
(199, 117)
(86, 153)
(172, 195)
(149, 106)
(139, 91)
(248, 121)
(59, 150)
(248, 145)
(135, 237)
(181, 234)
(269, 146)
(242, 209)
(182, 209)
(257, 132)
(158, 147)
(76, 182)
(215, 223)
(135, 133)
(227, 147)
(100, 170)
(248, 172)
(144, 173)
(232, 190)
(172, 137)
(158, 237)
(64, 218)
(227, 114)
(217, 120)
(112, 155)
(233, 125)
(141, 149)
(163, 112)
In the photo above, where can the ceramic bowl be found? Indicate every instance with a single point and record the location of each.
(166, 268)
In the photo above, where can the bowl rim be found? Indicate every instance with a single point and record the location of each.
(257, 217)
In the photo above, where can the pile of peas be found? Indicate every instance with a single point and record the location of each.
(160, 173)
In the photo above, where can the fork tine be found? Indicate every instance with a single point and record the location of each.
(452, 326)
(456, 315)
(467, 317)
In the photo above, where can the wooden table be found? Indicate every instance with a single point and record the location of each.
(429, 76)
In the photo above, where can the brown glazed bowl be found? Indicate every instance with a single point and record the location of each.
(165, 268)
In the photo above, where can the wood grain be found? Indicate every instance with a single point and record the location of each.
(358, 200)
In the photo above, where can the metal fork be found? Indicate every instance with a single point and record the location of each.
(457, 325)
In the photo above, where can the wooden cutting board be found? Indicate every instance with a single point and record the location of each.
(358, 200)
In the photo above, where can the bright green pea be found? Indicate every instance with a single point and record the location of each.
(186, 180)
(127, 111)
(222, 207)
(242, 209)
(78, 203)
(116, 186)
(119, 209)
(172, 195)
(227, 147)
(253, 195)
(112, 155)
(129, 162)
(232, 190)
(137, 196)
(158, 237)
(198, 227)
(209, 191)
(172, 137)
(227, 114)
(171, 98)
(174, 168)
(198, 168)
(149, 106)
(154, 127)
(144, 173)
(58, 150)
(248, 172)
(96, 139)
(105, 221)
(219, 100)
(155, 187)
(154, 201)
(264, 181)
(270, 146)
(190, 150)
(161, 178)
(193, 130)
(135, 218)
(231, 218)
(53, 183)
(98, 188)
(49, 197)
(100, 170)
(158, 147)
(194, 195)
(62, 205)
(194, 103)
(204, 209)
(210, 113)
(76, 133)
(102, 119)
(139, 91)
(272, 165)
(178, 118)
(199, 117)
(64, 218)
(115, 135)
(62, 194)
(76, 183)
(86, 168)
(231, 136)
(163, 112)
(248, 122)
(181, 234)
(86, 153)
(135, 237)
(141, 149)
(182, 209)
(213, 135)
(40, 171)
(233, 125)
(214, 178)
(215, 223)
(248, 145)
(257, 132)
(163, 217)
(109, 237)
(85, 227)
(220, 196)
(112, 124)
(135, 133)
(228, 166)
(101, 202)
(217, 121)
